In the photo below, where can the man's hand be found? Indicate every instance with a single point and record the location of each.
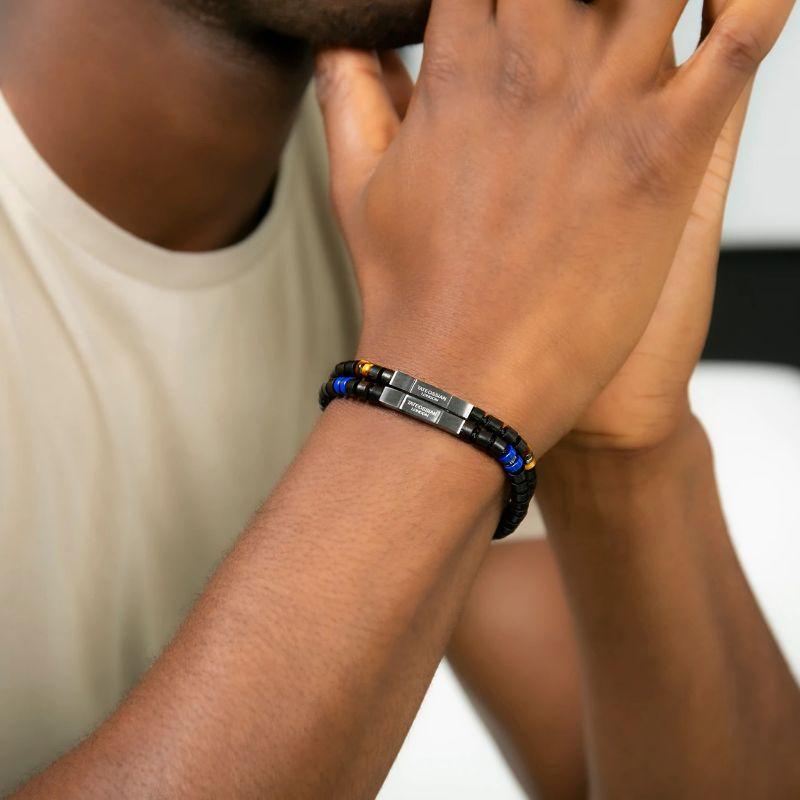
(513, 233)
(647, 400)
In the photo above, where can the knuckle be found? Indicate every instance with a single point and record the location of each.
(737, 45)
(648, 151)
(441, 63)
(517, 78)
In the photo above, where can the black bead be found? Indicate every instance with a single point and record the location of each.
(493, 424)
(523, 450)
(510, 435)
(468, 429)
(498, 448)
(477, 415)
(484, 431)
(484, 439)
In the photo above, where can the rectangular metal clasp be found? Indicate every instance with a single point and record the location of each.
(413, 406)
(434, 396)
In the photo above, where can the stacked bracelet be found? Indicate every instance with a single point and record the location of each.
(371, 383)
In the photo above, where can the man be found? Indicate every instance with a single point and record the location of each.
(119, 350)
(151, 398)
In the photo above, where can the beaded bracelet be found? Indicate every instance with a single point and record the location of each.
(372, 383)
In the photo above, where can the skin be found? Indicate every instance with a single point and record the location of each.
(219, 110)
(685, 692)
(612, 501)
(515, 652)
(641, 410)
(617, 130)
(300, 669)
(217, 85)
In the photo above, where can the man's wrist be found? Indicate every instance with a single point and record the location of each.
(500, 383)
(457, 473)
(606, 478)
(631, 426)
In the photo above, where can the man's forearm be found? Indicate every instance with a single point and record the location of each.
(687, 694)
(302, 666)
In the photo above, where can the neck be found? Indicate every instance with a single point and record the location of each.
(171, 128)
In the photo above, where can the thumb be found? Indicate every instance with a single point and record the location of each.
(360, 118)
(737, 36)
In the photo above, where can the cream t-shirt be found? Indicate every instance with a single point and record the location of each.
(149, 401)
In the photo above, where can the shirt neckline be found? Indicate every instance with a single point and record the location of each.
(63, 211)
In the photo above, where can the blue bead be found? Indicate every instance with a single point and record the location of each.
(509, 456)
(515, 466)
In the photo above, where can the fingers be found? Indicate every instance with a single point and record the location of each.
(546, 23)
(712, 197)
(526, 42)
(740, 34)
(397, 80)
(360, 117)
(449, 17)
(728, 144)
(689, 291)
(649, 17)
(641, 30)
(456, 28)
